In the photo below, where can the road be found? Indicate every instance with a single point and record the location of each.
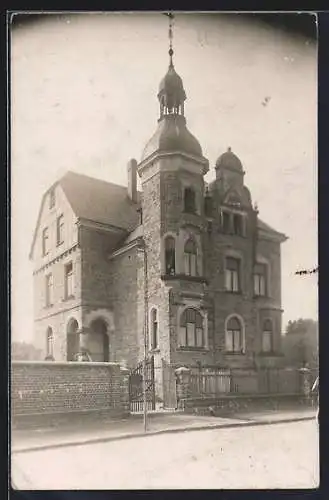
(269, 456)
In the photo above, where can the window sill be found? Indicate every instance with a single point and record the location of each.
(268, 354)
(49, 306)
(155, 350)
(234, 292)
(70, 297)
(186, 277)
(234, 353)
(261, 296)
(192, 348)
(228, 233)
(195, 213)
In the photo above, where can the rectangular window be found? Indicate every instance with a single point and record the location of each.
(52, 198)
(49, 290)
(190, 327)
(232, 274)
(60, 229)
(260, 280)
(267, 342)
(199, 337)
(45, 239)
(226, 218)
(229, 341)
(233, 341)
(69, 285)
(182, 336)
(237, 224)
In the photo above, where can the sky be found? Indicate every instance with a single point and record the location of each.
(83, 98)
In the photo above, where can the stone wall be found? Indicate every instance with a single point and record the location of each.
(233, 403)
(50, 388)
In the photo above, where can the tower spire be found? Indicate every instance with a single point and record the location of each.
(170, 33)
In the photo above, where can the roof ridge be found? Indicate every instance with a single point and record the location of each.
(97, 179)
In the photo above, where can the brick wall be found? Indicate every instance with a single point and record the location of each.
(55, 388)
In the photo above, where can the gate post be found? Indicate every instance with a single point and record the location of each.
(183, 385)
(124, 389)
(305, 383)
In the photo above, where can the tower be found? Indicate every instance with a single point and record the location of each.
(171, 172)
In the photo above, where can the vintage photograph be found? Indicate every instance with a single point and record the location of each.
(164, 259)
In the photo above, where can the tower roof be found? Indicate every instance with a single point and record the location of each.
(230, 161)
(172, 135)
(171, 88)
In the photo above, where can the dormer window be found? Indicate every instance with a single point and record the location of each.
(238, 224)
(189, 200)
(232, 223)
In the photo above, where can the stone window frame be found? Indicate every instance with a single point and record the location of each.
(243, 334)
(185, 236)
(151, 345)
(190, 257)
(67, 295)
(163, 253)
(45, 241)
(231, 212)
(260, 259)
(60, 230)
(263, 331)
(49, 289)
(50, 338)
(52, 198)
(189, 194)
(189, 184)
(204, 316)
(233, 254)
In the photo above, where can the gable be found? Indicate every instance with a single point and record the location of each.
(53, 204)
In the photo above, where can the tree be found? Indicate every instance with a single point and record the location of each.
(300, 344)
(21, 351)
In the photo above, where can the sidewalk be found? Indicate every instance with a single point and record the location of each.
(132, 427)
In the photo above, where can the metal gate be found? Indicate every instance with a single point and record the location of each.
(136, 387)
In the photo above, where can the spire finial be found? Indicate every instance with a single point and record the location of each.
(171, 51)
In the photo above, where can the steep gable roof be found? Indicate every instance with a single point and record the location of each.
(269, 230)
(96, 200)
(100, 201)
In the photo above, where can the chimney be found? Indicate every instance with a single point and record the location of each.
(132, 180)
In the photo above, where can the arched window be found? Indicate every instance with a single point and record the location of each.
(189, 200)
(170, 255)
(190, 258)
(267, 337)
(234, 335)
(191, 329)
(154, 328)
(50, 344)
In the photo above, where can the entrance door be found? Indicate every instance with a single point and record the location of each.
(98, 341)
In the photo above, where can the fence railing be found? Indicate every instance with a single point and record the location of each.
(212, 382)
